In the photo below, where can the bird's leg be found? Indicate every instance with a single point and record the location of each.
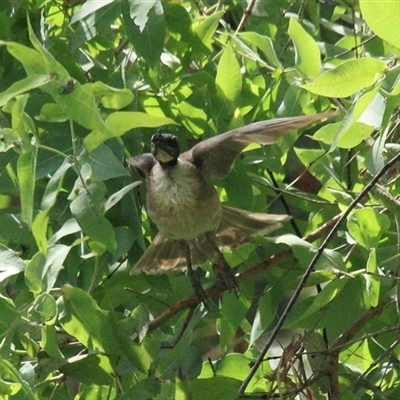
(196, 284)
(222, 270)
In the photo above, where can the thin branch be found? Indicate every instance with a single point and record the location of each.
(245, 16)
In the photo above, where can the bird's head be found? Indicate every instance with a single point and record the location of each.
(165, 148)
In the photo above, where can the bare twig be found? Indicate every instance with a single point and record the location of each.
(245, 16)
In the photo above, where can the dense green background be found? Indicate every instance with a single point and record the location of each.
(84, 85)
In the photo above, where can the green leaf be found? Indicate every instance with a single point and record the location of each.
(91, 369)
(136, 324)
(42, 271)
(182, 357)
(11, 383)
(56, 256)
(265, 44)
(10, 263)
(238, 187)
(43, 310)
(26, 178)
(92, 24)
(367, 226)
(34, 272)
(88, 8)
(264, 315)
(233, 311)
(348, 139)
(205, 33)
(78, 104)
(348, 78)
(39, 230)
(69, 227)
(24, 85)
(324, 297)
(9, 315)
(51, 112)
(29, 58)
(54, 186)
(121, 122)
(105, 165)
(86, 321)
(373, 282)
(308, 56)
(229, 78)
(49, 342)
(383, 18)
(110, 97)
(221, 388)
(148, 39)
(147, 388)
(88, 209)
(139, 12)
(116, 197)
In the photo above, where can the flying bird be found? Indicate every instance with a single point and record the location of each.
(181, 200)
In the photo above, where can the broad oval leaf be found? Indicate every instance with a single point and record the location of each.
(110, 97)
(383, 18)
(308, 56)
(121, 122)
(349, 137)
(348, 78)
(229, 78)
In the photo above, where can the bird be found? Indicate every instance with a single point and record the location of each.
(193, 225)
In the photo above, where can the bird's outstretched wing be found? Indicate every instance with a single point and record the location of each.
(143, 163)
(216, 155)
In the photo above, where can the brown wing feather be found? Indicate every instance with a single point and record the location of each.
(215, 156)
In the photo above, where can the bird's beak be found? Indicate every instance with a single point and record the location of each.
(164, 147)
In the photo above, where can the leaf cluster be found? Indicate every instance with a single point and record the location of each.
(84, 84)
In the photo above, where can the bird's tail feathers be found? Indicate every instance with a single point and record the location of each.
(236, 227)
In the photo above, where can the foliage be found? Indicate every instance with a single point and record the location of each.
(84, 84)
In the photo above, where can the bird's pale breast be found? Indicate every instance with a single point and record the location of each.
(180, 202)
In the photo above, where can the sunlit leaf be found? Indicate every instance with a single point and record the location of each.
(229, 78)
(39, 230)
(10, 263)
(308, 56)
(372, 280)
(24, 85)
(383, 18)
(348, 78)
(121, 122)
(110, 97)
